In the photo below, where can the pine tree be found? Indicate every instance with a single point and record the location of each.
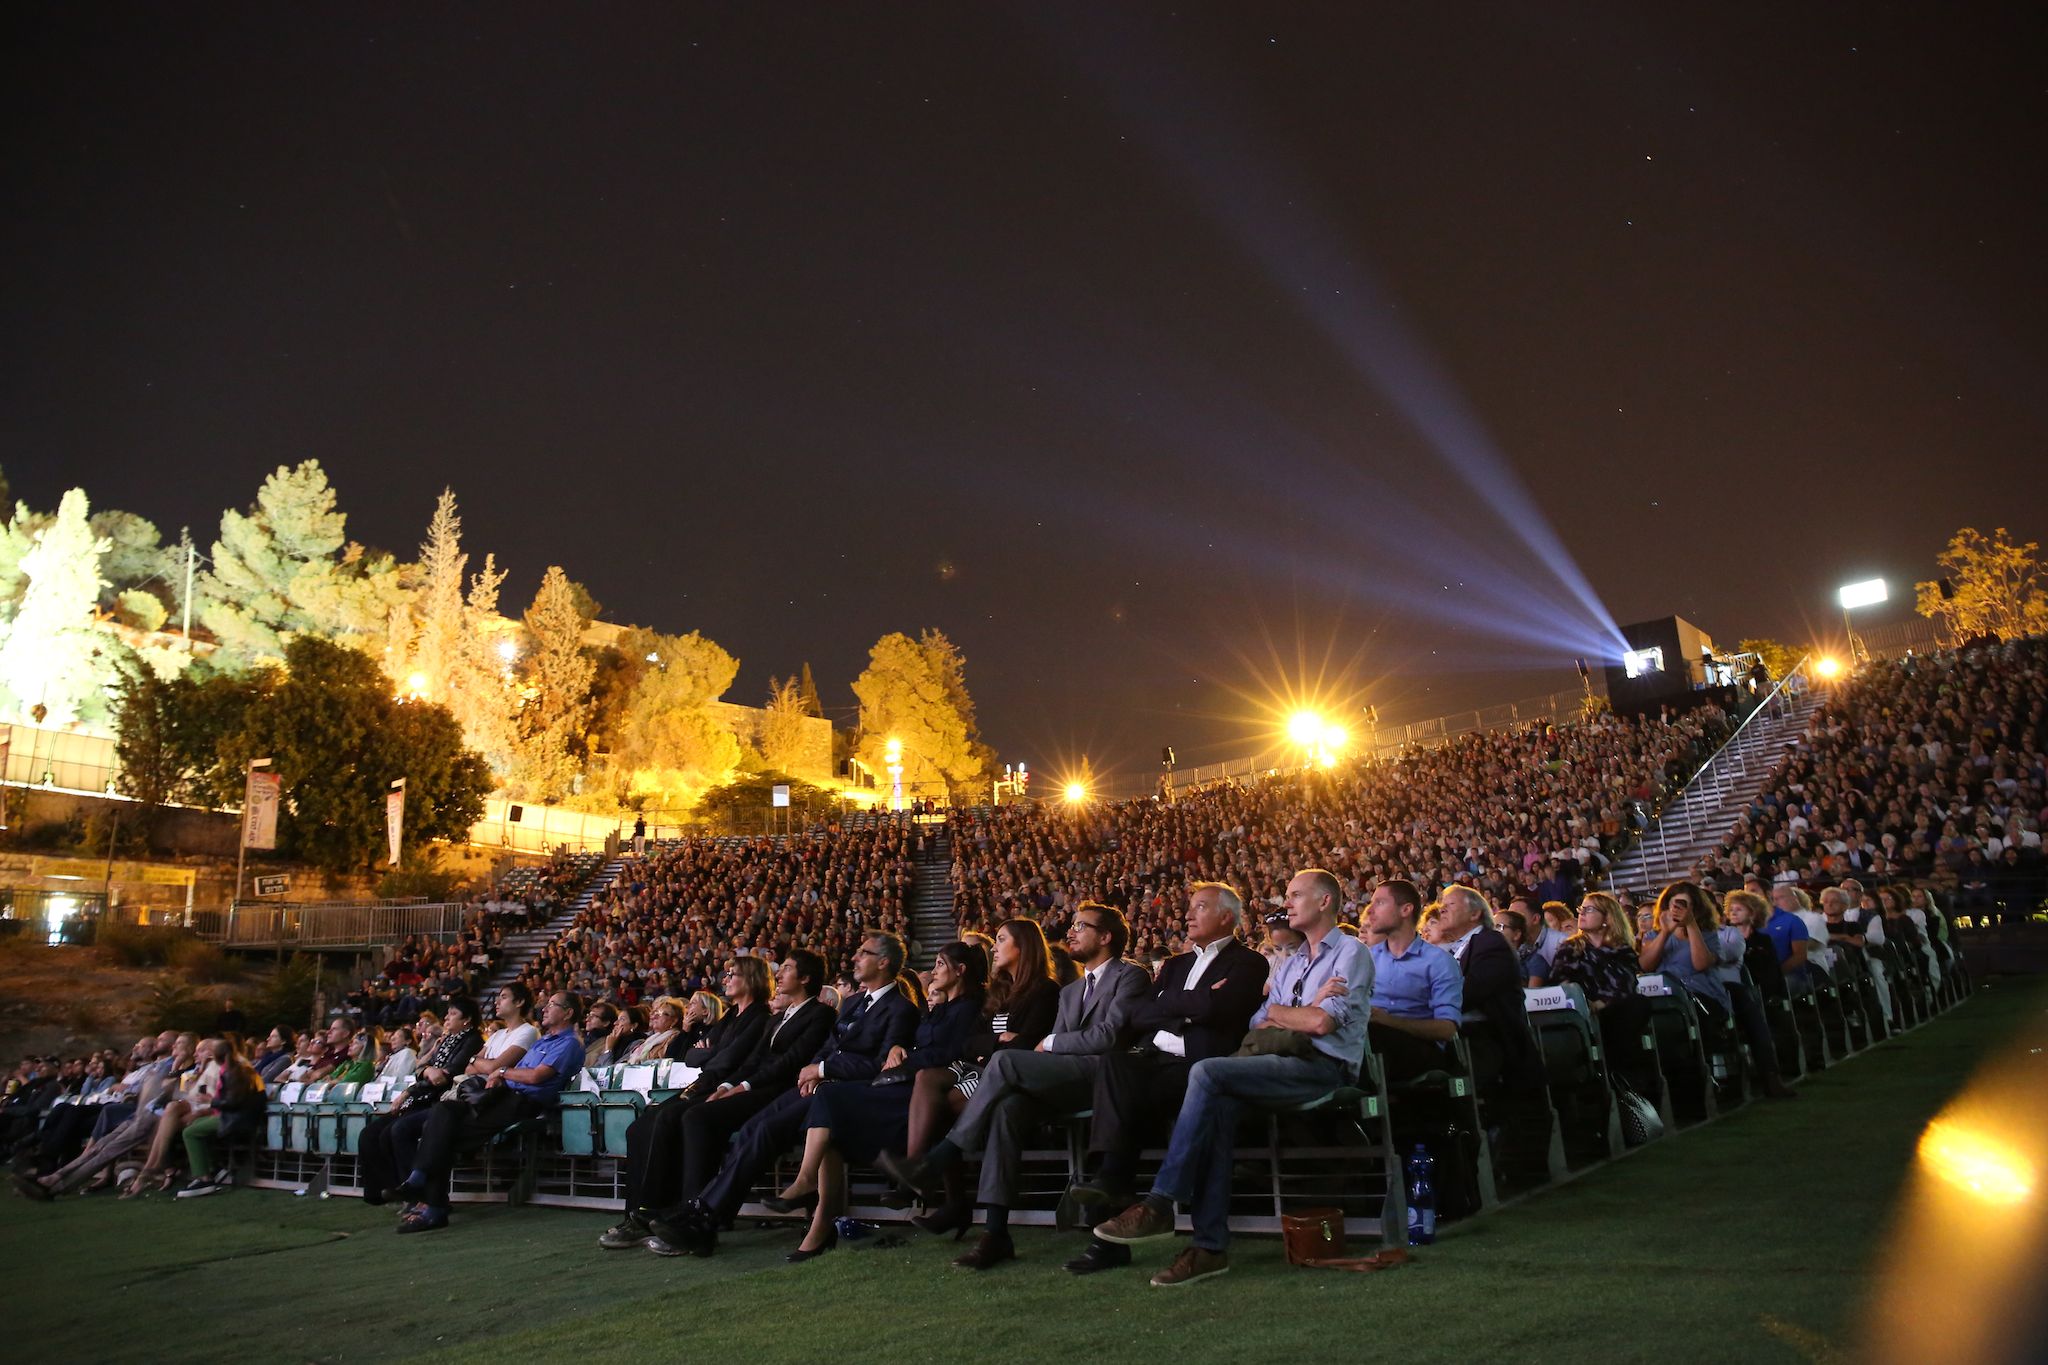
(807, 692)
(915, 692)
(51, 652)
(552, 724)
(285, 568)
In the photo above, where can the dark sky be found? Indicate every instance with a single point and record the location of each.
(1163, 357)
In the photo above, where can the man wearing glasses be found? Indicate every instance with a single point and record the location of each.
(511, 1094)
(1019, 1089)
(878, 1017)
(1322, 995)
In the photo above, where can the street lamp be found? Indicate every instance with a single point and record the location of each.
(1868, 593)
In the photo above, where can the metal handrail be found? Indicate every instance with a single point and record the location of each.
(1677, 798)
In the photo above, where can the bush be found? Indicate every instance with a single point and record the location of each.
(419, 879)
(135, 945)
(173, 1004)
(202, 963)
(287, 998)
(82, 1017)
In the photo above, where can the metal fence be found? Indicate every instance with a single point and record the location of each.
(330, 924)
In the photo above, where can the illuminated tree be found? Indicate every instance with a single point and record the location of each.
(52, 653)
(285, 567)
(915, 692)
(558, 675)
(1990, 585)
(1779, 659)
(671, 746)
(449, 650)
(783, 729)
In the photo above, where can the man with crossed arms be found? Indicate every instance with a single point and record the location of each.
(1021, 1088)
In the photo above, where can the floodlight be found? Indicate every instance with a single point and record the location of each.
(1076, 793)
(1305, 728)
(1868, 593)
(1827, 666)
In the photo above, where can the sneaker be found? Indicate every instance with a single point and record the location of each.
(1192, 1264)
(200, 1188)
(1141, 1222)
(626, 1235)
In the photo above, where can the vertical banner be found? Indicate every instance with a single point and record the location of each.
(259, 809)
(394, 817)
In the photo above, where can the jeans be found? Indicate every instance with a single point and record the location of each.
(1198, 1159)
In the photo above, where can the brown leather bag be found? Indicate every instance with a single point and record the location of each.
(1315, 1240)
(1312, 1235)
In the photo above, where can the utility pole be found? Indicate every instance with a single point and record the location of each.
(191, 558)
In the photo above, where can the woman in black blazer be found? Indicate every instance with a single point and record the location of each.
(858, 1120)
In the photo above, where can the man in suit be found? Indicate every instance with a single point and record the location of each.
(877, 1018)
(1315, 1016)
(668, 1160)
(1019, 1089)
(1493, 986)
(1199, 1009)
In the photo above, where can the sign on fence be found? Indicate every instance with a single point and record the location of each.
(274, 885)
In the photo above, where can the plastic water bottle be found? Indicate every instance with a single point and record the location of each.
(1420, 1168)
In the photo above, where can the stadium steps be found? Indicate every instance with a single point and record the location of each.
(931, 907)
(522, 948)
(1694, 824)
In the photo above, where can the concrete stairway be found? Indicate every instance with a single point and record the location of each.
(932, 925)
(1694, 823)
(522, 948)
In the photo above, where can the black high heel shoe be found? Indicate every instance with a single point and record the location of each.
(799, 1256)
(953, 1218)
(801, 1204)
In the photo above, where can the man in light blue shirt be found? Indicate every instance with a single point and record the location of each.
(1418, 992)
(1322, 995)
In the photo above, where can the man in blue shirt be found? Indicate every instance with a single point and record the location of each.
(512, 1093)
(1418, 993)
(1320, 995)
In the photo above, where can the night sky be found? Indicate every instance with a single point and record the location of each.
(1163, 357)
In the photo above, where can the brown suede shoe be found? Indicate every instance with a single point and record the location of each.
(1192, 1264)
(991, 1250)
(1141, 1222)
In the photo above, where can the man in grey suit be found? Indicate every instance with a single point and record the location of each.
(1020, 1088)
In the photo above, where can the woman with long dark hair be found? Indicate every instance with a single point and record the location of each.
(385, 1147)
(858, 1120)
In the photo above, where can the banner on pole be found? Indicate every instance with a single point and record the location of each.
(259, 809)
(394, 817)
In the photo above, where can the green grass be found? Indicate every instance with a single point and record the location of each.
(1701, 1235)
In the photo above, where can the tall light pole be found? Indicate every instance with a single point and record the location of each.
(892, 752)
(1868, 593)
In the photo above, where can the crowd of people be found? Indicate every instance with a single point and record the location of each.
(670, 921)
(1538, 810)
(1108, 961)
(1926, 769)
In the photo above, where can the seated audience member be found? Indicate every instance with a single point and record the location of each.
(1790, 939)
(1691, 945)
(1322, 1000)
(511, 1093)
(1745, 912)
(664, 1028)
(1200, 1007)
(1514, 926)
(1022, 997)
(385, 1148)
(1281, 942)
(276, 1053)
(400, 1056)
(880, 1017)
(156, 1090)
(655, 1163)
(236, 1112)
(1418, 994)
(1493, 986)
(857, 1120)
(612, 1031)
(361, 1062)
(195, 1097)
(1601, 961)
(1019, 1087)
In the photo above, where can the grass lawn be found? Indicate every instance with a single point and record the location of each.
(1676, 1235)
